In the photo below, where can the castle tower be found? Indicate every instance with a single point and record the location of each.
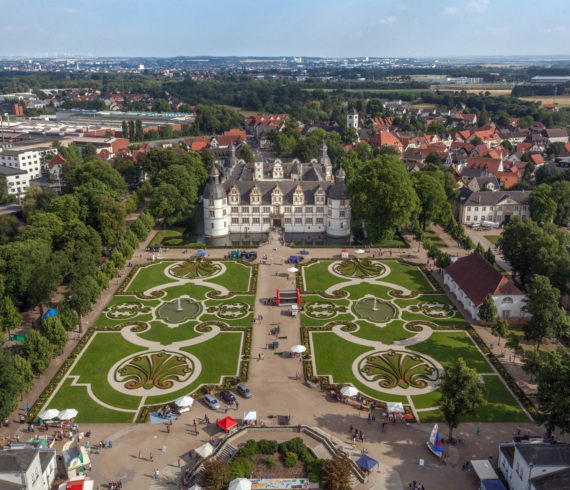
(325, 161)
(338, 208)
(216, 209)
(352, 118)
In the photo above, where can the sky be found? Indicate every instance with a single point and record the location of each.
(328, 28)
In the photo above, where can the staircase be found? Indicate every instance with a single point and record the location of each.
(227, 453)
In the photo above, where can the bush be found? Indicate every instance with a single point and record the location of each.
(298, 447)
(267, 447)
(240, 467)
(314, 470)
(270, 461)
(249, 450)
(291, 459)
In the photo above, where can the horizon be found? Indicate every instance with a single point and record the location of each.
(322, 29)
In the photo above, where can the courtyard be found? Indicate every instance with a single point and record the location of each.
(173, 327)
(384, 327)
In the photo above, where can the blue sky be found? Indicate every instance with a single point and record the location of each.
(413, 28)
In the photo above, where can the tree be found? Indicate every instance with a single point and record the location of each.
(349, 135)
(500, 328)
(476, 141)
(246, 154)
(139, 132)
(10, 317)
(125, 128)
(52, 329)
(542, 205)
(336, 473)
(9, 225)
(10, 385)
(131, 130)
(215, 475)
(68, 317)
(483, 117)
(432, 198)
(83, 293)
(561, 196)
(487, 309)
(548, 318)
(551, 373)
(37, 350)
(89, 152)
(24, 371)
(461, 393)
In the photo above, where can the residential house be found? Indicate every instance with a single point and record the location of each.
(386, 139)
(513, 135)
(17, 181)
(471, 279)
(30, 159)
(484, 183)
(489, 165)
(534, 464)
(55, 167)
(27, 468)
(498, 207)
(556, 135)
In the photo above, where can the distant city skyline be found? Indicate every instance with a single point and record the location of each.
(322, 28)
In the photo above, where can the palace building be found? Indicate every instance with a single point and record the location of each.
(305, 200)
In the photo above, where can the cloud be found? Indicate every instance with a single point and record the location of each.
(450, 11)
(70, 11)
(388, 20)
(477, 6)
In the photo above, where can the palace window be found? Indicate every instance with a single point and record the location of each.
(287, 221)
(224, 212)
(298, 210)
(245, 220)
(255, 221)
(266, 221)
(320, 210)
(211, 202)
(298, 221)
(225, 202)
(235, 209)
(309, 221)
(212, 214)
(245, 209)
(235, 221)
(256, 209)
(287, 209)
(342, 202)
(341, 214)
(320, 221)
(329, 212)
(266, 209)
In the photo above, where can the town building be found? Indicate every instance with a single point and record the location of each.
(304, 200)
(29, 159)
(471, 279)
(498, 207)
(17, 181)
(352, 118)
(531, 463)
(27, 467)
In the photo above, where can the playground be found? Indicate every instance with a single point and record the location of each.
(384, 327)
(173, 327)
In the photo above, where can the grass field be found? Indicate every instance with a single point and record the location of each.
(318, 278)
(495, 92)
(408, 276)
(493, 238)
(150, 276)
(236, 277)
(561, 100)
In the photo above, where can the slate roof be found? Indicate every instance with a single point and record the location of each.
(493, 198)
(545, 454)
(478, 278)
(552, 481)
(15, 460)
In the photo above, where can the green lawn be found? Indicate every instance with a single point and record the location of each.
(150, 276)
(159, 332)
(318, 277)
(360, 290)
(195, 291)
(446, 347)
(407, 276)
(493, 238)
(236, 277)
(389, 334)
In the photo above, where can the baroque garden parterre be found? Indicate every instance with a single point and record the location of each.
(174, 327)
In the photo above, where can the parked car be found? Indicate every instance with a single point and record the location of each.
(211, 402)
(227, 396)
(243, 390)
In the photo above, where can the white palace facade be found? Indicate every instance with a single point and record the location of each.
(249, 199)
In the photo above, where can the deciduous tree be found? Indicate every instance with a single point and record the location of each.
(10, 384)
(10, 317)
(487, 309)
(336, 473)
(37, 350)
(500, 328)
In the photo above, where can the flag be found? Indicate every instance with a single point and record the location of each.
(437, 445)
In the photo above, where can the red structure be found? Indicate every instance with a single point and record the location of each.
(286, 297)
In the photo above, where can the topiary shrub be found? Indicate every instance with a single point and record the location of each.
(249, 450)
(267, 447)
(270, 461)
(240, 467)
(290, 459)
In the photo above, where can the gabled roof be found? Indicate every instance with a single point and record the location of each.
(478, 278)
(56, 160)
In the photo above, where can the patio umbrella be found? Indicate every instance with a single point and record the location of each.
(409, 416)
(227, 423)
(51, 312)
(49, 414)
(184, 401)
(67, 414)
(240, 484)
(394, 407)
(205, 450)
(247, 416)
(366, 462)
(349, 391)
(359, 251)
(298, 349)
(201, 252)
(292, 269)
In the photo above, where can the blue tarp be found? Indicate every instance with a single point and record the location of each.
(155, 419)
(366, 462)
(493, 485)
(201, 252)
(294, 259)
(49, 313)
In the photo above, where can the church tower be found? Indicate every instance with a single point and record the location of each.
(352, 118)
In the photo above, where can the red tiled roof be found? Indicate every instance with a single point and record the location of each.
(385, 139)
(536, 159)
(507, 179)
(478, 278)
(56, 160)
(488, 164)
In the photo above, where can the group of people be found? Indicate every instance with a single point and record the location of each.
(416, 486)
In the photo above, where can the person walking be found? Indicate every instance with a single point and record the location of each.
(140, 455)
(195, 427)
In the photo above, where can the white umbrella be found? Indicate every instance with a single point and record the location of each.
(240, 484)
(349, 391)
(184, 401)
(394, 407)
(67, 414)
(205, 450)
(196, 487)
(49, 414)
(298, 349)
(292, 269)
(359, 251)
(247, 416)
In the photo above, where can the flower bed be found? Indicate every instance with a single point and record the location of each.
(124, 311)
(194, 269)
(362, 269)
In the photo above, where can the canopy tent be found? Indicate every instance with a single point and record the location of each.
(184, 401)
(292, 270)
(483, 469)
(298, 349)
(205, 450)
(227, 423)
(359, 251)
(51, 312)
(240, 484)
(294, 259)
(249, 416)
(201, 253)
(349, 391)
(49, 414)
(344, 254)
(67, 414)
(157, 245)
(394, 407)
(366, 462)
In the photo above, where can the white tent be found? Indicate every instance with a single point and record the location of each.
(292, 269)
(67, 414)
(349, 391)
(298, 349)
(205, 450)
(248, 416)
(49, 414)
(359, 251)
(240, 484)
(184, 401)
(394, 407)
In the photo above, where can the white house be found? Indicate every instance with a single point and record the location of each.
(17, 181)
(535, 465)
(498, 207)
(472, 278)
(27, 468)
(28, 159)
